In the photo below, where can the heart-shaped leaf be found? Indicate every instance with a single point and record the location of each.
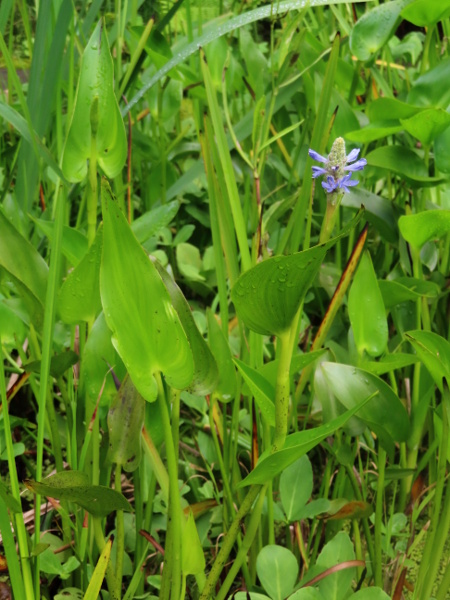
(147, 332)
(434, 351)
(277, 570)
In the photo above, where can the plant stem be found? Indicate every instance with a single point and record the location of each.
(120, 539)
(209, 588)
(171, 579)
(378, 568)
(282, 391)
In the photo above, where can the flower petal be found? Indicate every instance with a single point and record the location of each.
(353, 155)
(330, 185)
(317, 171)
(357, 166)
(316, 156)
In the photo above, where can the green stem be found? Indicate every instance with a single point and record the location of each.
(378, 570)
(245, 547)
(120, 538)
(282, 391)
(20, 529)
(439, 527)
(224, 552)
(171, 579)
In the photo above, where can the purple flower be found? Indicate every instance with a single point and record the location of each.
(336, 166)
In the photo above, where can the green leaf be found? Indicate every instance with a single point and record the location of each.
(374, 29)
(220, 349)
(296, 486)
(25, 266)
(189, 261)
(153, 221)
(395, 109)
(95, 89)
(192, 557)
(18, 122)
(125, 422)
(378, 211)
(74, 243)
(58, 364)
(384, 413)
(307, 593)
(434, 351)
(95, 583)
(79, 296)
(206, 375)
(12, 328)
(98, 356)
(419, 228)
(373, 593)
(74, 486)
(268, 296)
(296, 445)
(10, 502)
(277, 569)
(403, 162)
(431, 89)
(390, 362)
(262, 390)
(336, 586)
(374, 131)
(69, 593)
(147, 332)
(427, 124)
(366, 310)
(403, 289)
(424, 13)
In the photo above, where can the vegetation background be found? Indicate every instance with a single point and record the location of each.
(225, 362)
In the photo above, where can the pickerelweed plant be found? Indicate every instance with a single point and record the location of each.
(211, 411)
(337, 171)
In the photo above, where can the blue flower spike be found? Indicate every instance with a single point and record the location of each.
(338, 167)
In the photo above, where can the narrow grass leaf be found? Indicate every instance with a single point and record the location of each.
(262, 390)
(95, 584)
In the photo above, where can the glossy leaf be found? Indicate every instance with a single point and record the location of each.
(378, 211)
(296, 445)
(74, 486)
(147, 332)
(25, 266)
(125, 422)
(372, 593)
(356, 509)
(403, 162)
(206, 374)
(419, 228)
(366, 310)
(434, 351)
(192, 557)
(267, 297)
(424, 13)
(95, 93)
(427, 124)
(220, 349)
(374, 131)
(296, 486)
(79, 296)
(374, 29)
(384, 413)
(277, 569)
(442, 151)
(262, 390)
(307, 593)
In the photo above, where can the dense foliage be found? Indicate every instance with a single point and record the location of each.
(224, 262)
